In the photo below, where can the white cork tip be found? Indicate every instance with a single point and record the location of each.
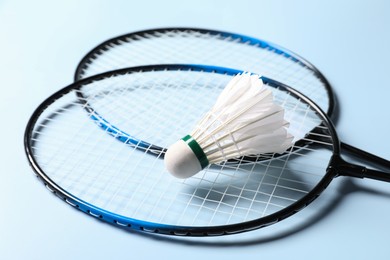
(181, 161)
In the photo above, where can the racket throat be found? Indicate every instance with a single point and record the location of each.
(342, 168)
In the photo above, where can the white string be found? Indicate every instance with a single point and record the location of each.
(194, 47)
(98, 169)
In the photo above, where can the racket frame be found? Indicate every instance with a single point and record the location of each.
(135, 36)
(151, 227)
(333, 105)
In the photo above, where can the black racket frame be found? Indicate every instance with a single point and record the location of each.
(337, 167)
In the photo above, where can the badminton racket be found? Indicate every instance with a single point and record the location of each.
(211, 47)
(128, 187)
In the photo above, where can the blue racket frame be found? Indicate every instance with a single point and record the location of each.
(337, 166)
(332, 111)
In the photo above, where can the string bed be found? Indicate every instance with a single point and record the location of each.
(129, 186)
(199, 46)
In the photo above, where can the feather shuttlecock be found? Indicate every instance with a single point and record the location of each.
(243, 121)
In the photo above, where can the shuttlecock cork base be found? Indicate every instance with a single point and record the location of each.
(243, 121)
(185, 158)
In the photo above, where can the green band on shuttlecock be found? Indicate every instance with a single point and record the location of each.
(198, 151)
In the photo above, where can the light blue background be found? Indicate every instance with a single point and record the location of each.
(42, 42)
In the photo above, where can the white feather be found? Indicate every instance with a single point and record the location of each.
(243, 121)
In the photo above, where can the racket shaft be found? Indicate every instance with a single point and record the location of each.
(369, 158)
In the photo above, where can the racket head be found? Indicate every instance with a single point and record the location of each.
(128, 187)
(180, 45)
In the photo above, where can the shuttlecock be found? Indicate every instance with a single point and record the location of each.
(243, 121)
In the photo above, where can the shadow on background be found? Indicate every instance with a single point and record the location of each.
(348, 186)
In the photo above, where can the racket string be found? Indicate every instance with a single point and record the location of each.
(207, 48)
(130, 182)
